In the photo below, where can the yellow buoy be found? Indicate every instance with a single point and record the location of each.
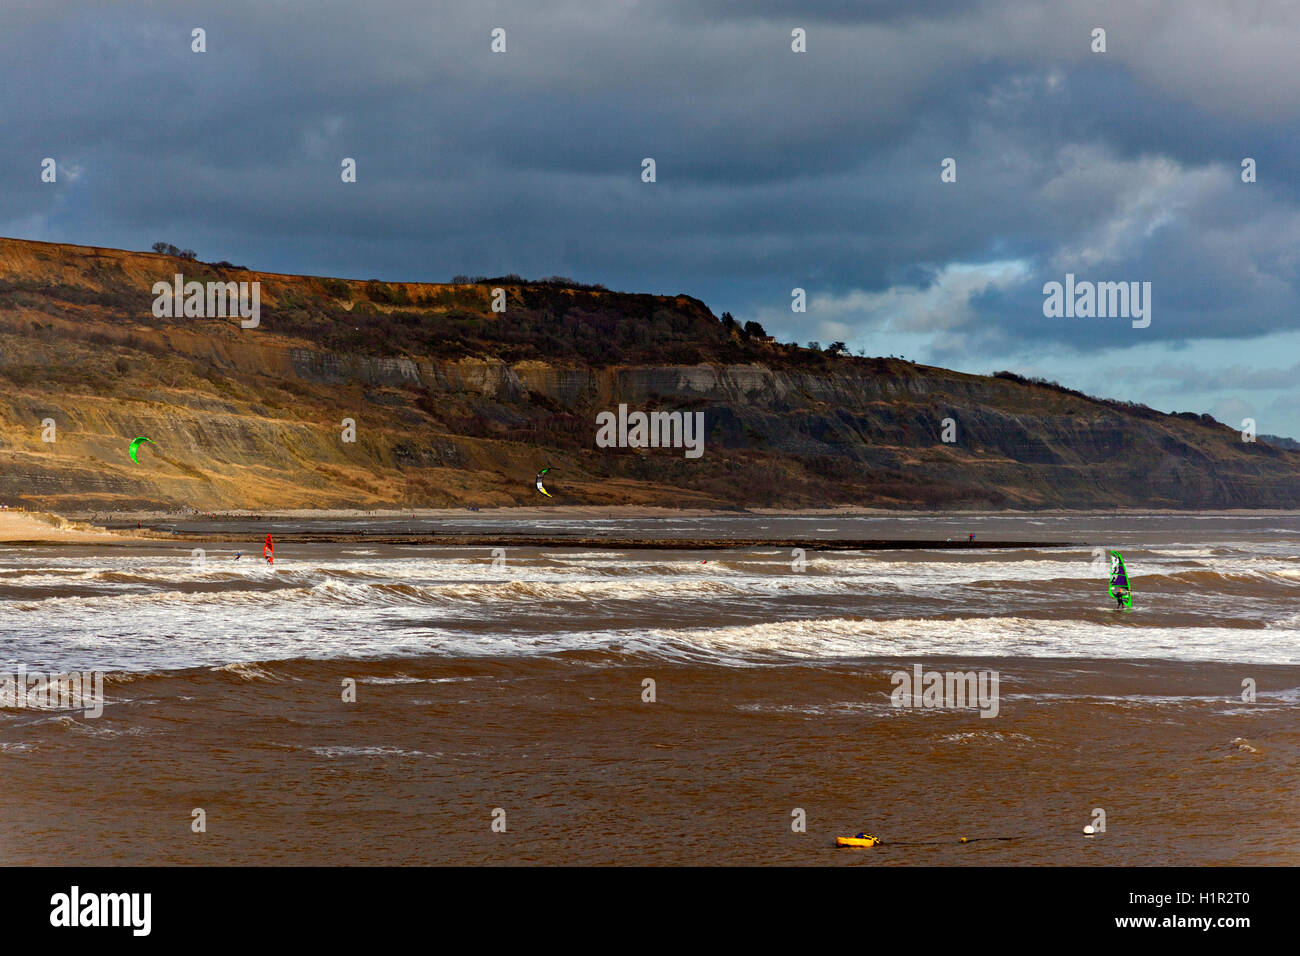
(863, 840)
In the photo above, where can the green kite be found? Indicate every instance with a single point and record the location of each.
(135, 447)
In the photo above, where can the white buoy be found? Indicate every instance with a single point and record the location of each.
(1089, 830)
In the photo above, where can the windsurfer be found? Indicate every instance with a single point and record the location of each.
(1119, 585)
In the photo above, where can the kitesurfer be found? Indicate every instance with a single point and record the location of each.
(541, 475)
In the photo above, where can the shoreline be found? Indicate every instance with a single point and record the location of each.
(156, 530)
(114, 529)
(541, 526)
(611, 543)
(646, 512)
(46, 528)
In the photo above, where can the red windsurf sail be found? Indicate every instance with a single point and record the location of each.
(268, 550)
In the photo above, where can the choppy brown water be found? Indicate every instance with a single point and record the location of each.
(520, 688)
(709, 773)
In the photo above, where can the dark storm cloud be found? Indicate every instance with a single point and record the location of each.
(775, 169)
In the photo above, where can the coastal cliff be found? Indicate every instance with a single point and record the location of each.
(455, 404)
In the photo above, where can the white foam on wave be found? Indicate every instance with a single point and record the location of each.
(165, 613)
(336, 752)
(251, 671)
(507, 589)
(405, 679)
(970, 637)
(751, 572)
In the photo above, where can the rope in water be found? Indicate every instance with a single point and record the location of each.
(880, 842)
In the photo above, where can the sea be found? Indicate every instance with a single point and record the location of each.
(358, 702)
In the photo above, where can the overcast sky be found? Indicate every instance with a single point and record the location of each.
(775, 169)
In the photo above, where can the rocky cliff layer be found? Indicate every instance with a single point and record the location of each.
(454, 403)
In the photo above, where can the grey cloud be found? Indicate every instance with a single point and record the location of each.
(775, 169)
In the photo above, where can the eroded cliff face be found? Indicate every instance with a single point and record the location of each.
(455, 404)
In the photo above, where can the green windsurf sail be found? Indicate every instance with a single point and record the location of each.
(1119, 584)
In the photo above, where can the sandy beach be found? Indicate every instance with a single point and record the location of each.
(42, 527)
